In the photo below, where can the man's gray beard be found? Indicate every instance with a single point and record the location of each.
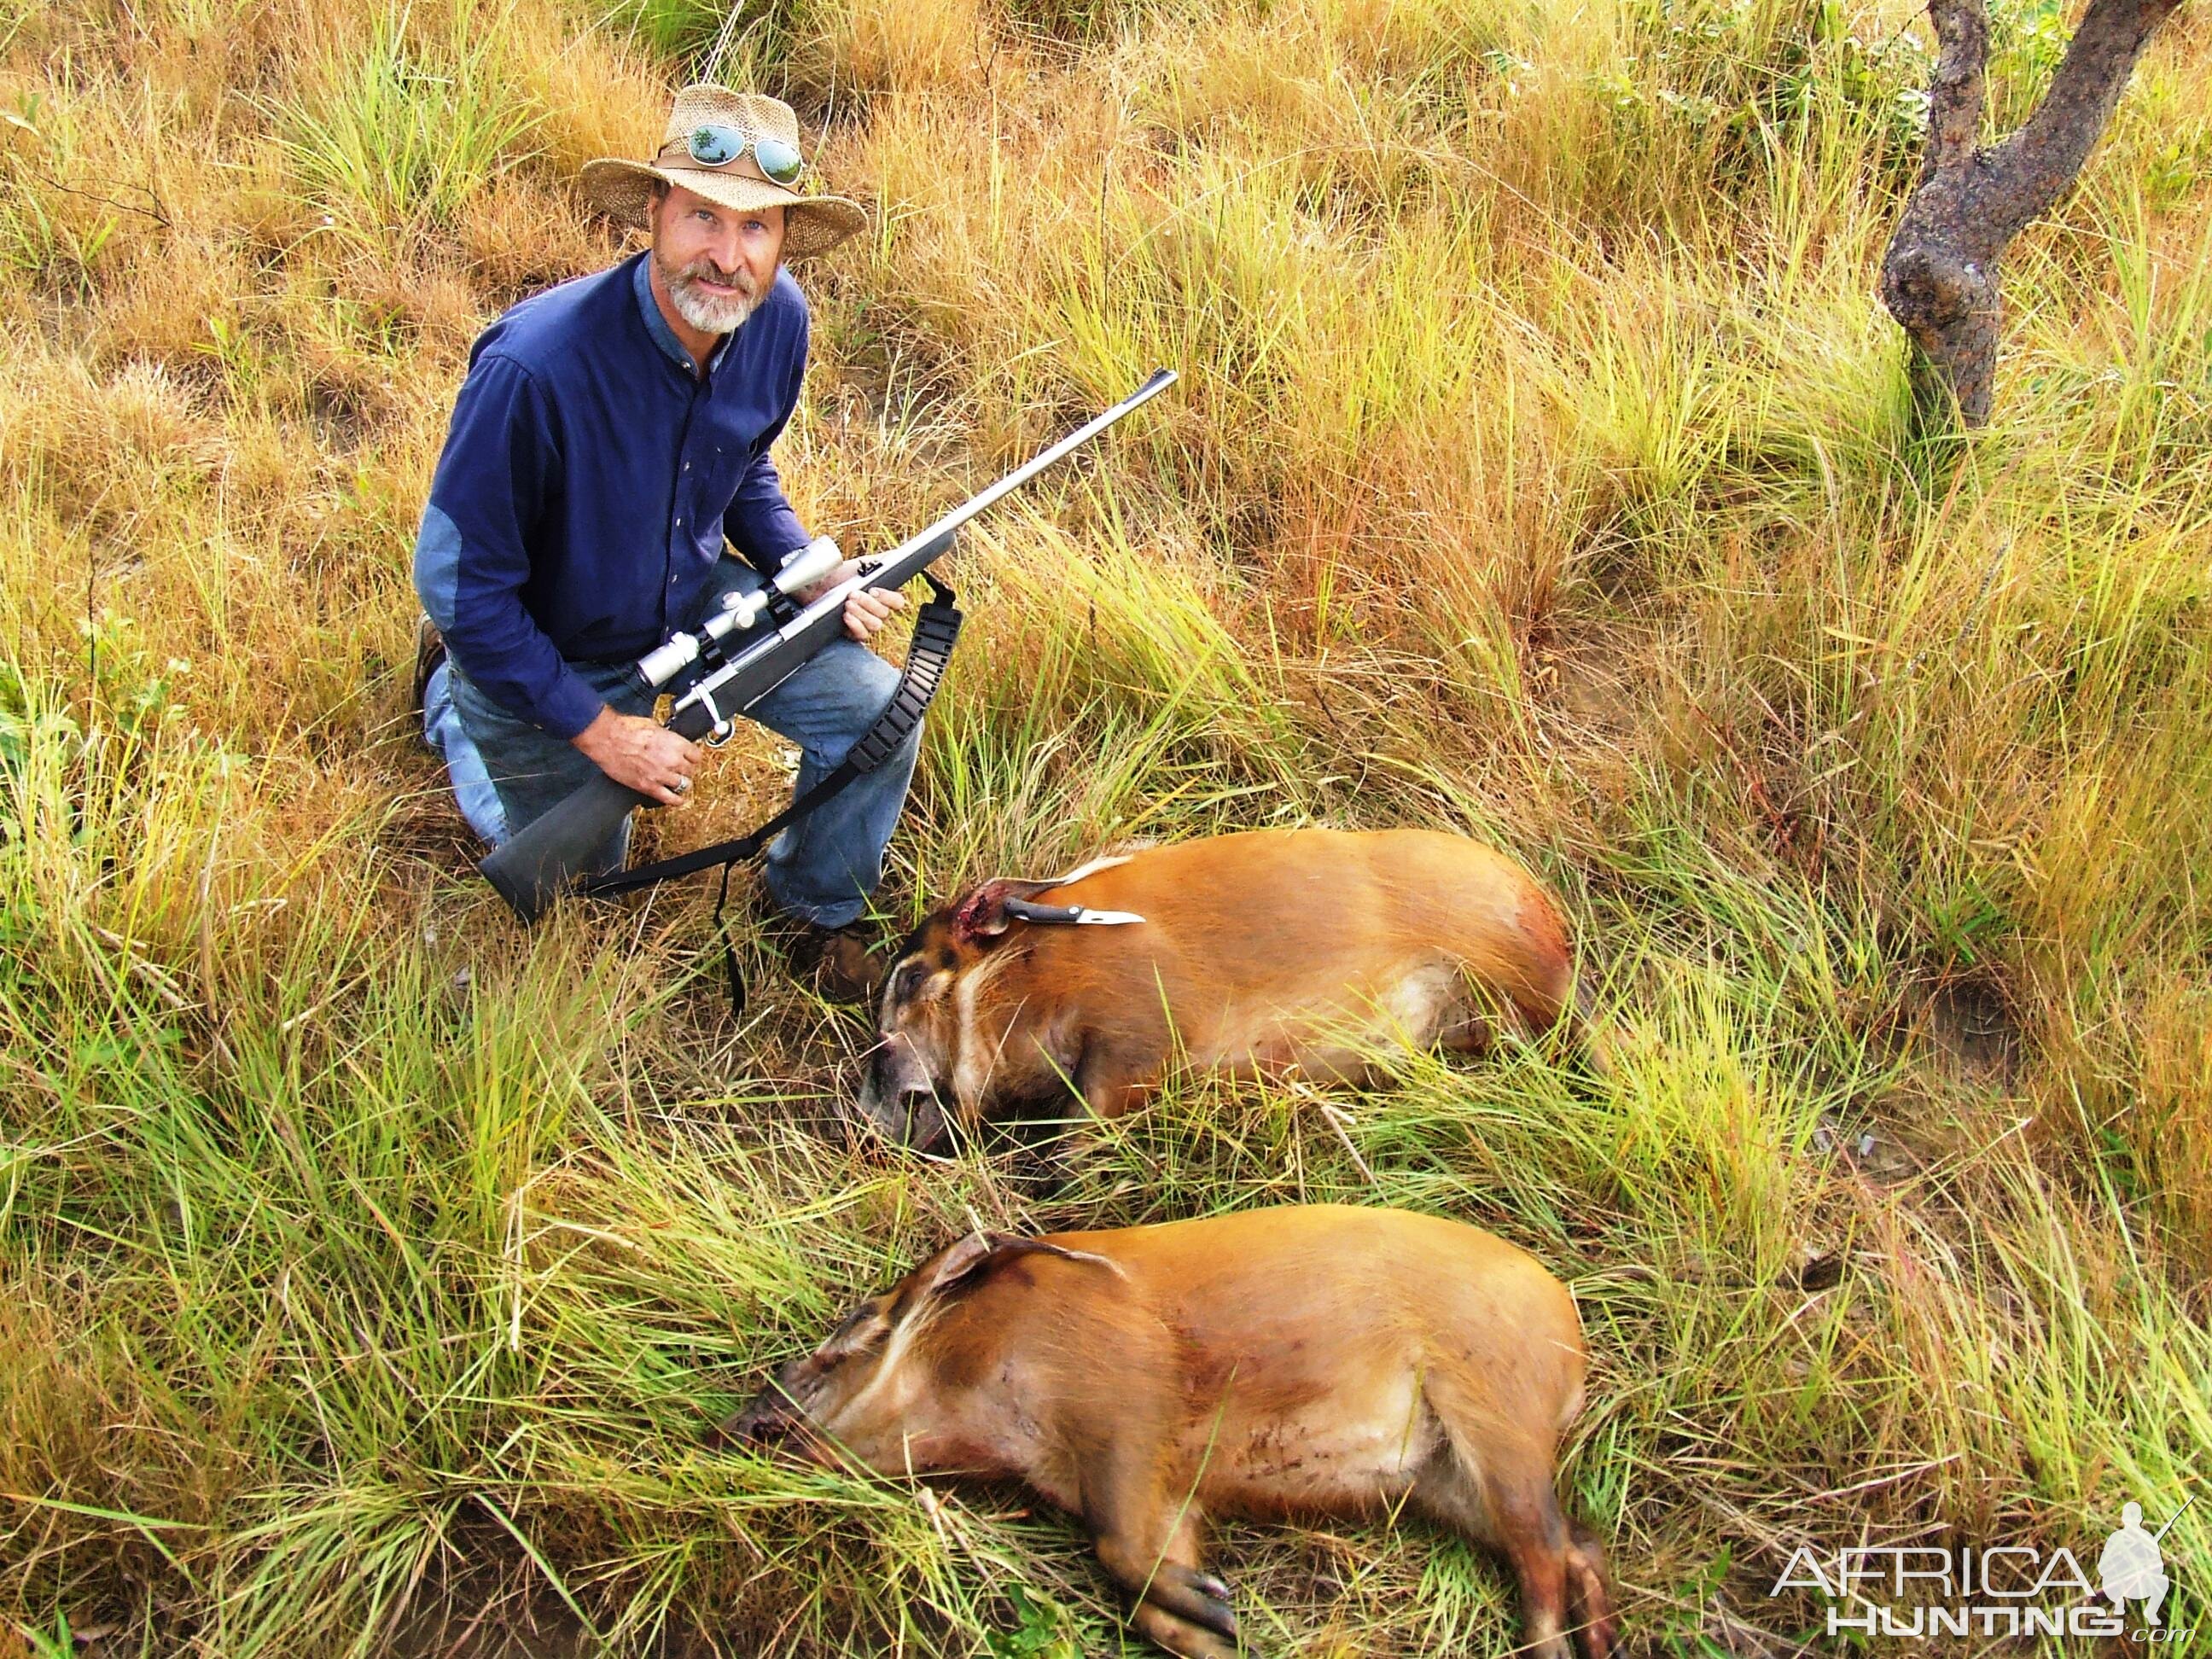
(705, 312)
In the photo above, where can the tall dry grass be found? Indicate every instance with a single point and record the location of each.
(1539, 469)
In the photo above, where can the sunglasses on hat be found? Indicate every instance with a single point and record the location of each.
(712, 144)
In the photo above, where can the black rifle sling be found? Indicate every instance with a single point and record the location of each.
(936, 627)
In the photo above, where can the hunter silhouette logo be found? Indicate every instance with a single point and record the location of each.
(1915, 1593)
(2132, 1568)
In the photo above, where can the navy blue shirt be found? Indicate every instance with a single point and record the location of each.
(589, 478)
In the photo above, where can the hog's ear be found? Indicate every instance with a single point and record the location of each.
(967, 1263)
(983, 914)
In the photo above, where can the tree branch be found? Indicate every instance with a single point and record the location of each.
(2038, 164)
(153, 213)
(1957, 92)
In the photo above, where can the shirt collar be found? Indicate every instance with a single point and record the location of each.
(657, 326)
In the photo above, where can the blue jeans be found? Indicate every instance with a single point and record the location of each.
(472, 786)
(506, 771)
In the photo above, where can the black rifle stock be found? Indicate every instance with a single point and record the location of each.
(543, 857)
(553, 850)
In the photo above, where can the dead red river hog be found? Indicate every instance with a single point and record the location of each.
(1273, 951)
(1315, 1359)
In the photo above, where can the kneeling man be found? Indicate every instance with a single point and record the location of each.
(613, 434)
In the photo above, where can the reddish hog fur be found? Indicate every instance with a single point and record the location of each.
(1313, 1359)
(1273, 950)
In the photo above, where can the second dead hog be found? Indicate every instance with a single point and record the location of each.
(1269, 950)
(1313, 1359)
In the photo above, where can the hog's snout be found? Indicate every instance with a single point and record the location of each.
(768, 1420)
(900, 1098)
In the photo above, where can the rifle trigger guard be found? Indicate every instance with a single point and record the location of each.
(724, 728)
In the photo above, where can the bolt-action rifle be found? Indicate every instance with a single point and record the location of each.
(547, 855)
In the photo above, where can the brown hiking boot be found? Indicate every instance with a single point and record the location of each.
(844, 967)
(429, 652)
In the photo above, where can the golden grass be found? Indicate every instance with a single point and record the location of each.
(1538, 469)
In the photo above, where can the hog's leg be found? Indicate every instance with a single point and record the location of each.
(1115, 1077)
(1182, 1608)
(1465, 1032)
(1534, 1535)
(1478, 1014)
(1588, 1598)
(1511, 1510)
(1150, 1546)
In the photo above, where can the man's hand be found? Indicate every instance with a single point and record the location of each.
(865, 612)
(643, 753)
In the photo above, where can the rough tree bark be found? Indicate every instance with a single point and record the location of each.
(1939, 278)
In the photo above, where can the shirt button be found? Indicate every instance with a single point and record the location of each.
(686, 467)
(680, 524)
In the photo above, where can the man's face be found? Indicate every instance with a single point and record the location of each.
(717, 262)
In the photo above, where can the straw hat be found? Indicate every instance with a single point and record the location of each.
(624, 189)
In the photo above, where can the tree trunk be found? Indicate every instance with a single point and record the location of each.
(1939, 278)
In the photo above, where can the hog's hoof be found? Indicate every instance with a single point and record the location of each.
(1200, 1597)
(1186, 1638)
